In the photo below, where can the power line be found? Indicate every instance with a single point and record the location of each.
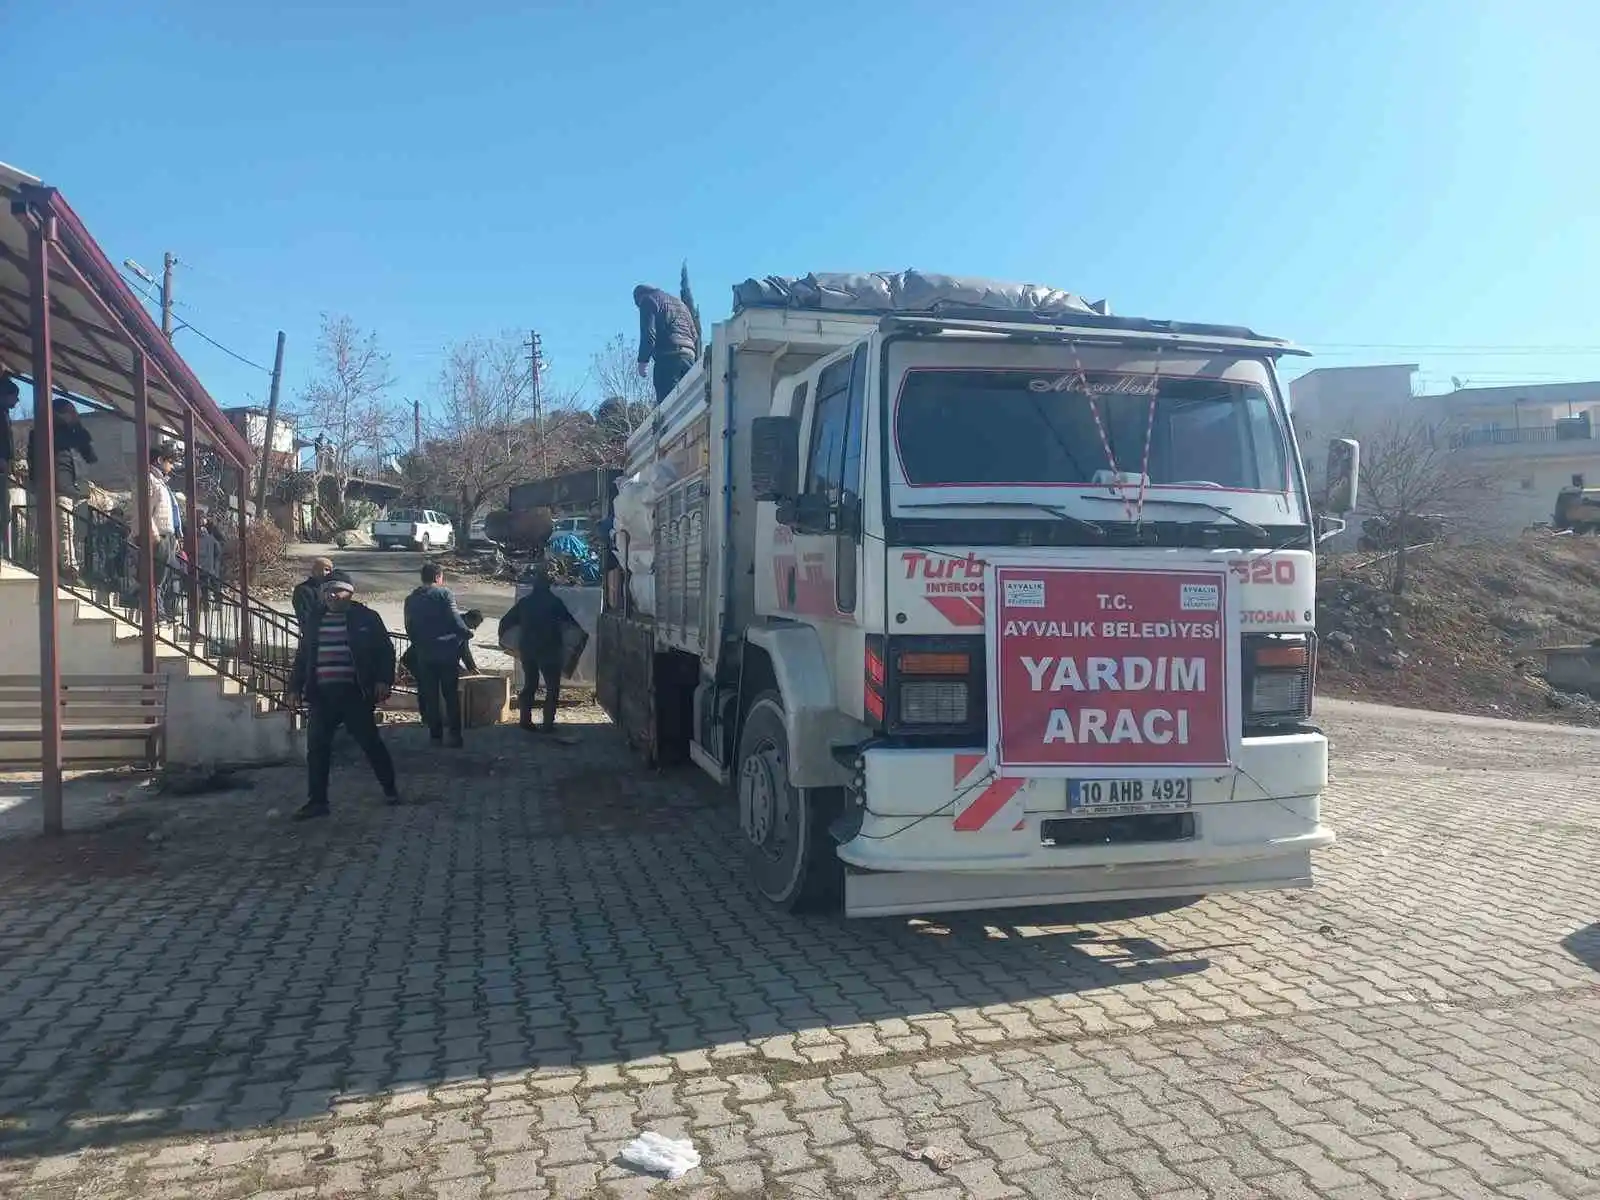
(231, 353)
(138, 285)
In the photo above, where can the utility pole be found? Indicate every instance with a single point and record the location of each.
(536, 365)
(168, 261)
(416, 427)
(272, 417)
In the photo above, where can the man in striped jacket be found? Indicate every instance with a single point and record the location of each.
(344, 669)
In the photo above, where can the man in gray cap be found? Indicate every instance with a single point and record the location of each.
(344, 669)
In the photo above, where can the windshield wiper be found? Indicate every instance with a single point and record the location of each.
(1216, 508)
(1090, 527)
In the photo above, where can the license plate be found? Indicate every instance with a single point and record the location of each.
(1113, 797)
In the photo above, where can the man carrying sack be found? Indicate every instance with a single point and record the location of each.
(549, 641)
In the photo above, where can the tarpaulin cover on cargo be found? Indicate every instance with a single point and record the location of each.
(906, 291)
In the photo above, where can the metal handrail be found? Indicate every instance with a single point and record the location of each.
(199, 613)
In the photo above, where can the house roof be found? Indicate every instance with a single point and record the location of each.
(96, 321)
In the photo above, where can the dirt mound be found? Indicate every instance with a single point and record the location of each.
(1466, 635)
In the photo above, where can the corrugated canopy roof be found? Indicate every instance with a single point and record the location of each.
(96, 321)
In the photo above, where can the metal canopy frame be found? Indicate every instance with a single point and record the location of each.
(1122, 331)
(71, 326)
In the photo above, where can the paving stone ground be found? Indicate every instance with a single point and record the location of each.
(490, 991)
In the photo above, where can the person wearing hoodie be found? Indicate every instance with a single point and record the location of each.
(343, 670)
(669, 337)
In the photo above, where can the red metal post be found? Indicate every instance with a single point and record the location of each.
(144, 541)
(47, 522)
(244, 563)
(191, 518)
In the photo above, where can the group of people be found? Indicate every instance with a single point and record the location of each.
(344, 668)
(74, 445)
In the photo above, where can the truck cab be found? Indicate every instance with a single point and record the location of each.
(988, 609)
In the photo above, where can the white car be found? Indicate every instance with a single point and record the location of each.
(417, 528)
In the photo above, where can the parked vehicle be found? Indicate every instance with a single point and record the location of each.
(416, 528)
(1578, 507)
(976, 599)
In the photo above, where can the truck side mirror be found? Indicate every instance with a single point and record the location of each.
(775, 457)
(1344, 475)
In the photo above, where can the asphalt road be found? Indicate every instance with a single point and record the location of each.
(393, 573)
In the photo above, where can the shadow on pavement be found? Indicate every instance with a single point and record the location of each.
(1584, 945)
(533, 908)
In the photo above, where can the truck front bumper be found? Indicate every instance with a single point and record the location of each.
(940, 832)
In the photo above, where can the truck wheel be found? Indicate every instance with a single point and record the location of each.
(787, 849)
(424, 543)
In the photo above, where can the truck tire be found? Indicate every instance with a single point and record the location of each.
(787, 849)
(424, 543)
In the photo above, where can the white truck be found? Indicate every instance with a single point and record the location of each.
(415, 528)
(978, 596)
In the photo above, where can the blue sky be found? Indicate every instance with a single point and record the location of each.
(1371, 179)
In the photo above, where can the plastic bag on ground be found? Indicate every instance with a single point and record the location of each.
(672, 1157)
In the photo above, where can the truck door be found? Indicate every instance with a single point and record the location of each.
(823, 582)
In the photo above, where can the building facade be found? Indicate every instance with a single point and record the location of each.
(1528, 440)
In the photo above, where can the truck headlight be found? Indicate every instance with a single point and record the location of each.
(1280, 670)
(934, 702)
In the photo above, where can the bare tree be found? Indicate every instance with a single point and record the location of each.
(612, 370)
(346, 405)
(1409, 473)
(627, 399)
(484, 436)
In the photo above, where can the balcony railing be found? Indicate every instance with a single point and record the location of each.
(1528, 435)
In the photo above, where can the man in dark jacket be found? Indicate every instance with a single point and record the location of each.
(307, 595)
(72, 441)
(668, 335)
(437, 632)
(343, 671)
(539, 619)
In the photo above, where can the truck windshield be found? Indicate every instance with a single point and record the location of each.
(1026, 427)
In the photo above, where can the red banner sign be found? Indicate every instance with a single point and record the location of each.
(1098, 672)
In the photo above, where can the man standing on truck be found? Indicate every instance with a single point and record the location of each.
(668, 336)
(343, 671)
(437, 633)
(540, 619)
